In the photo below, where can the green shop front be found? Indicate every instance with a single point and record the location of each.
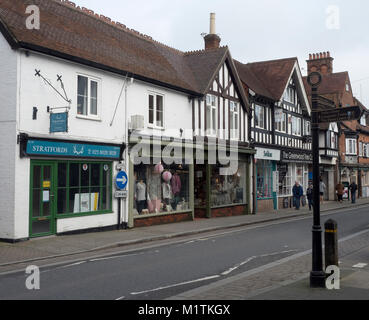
(70, 185)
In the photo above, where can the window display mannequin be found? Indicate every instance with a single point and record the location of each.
(167, 195)
(154, 190)
(176, 189)
(140, 195)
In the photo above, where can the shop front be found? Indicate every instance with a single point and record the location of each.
(266, 179)
(294, 166)
(220, 195)
(69, 180)
(162, 183)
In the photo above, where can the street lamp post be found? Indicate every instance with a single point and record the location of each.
(317, 275)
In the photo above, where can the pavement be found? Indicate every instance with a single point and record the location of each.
(72, 245)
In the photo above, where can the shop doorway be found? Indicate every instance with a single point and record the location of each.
(42, 207)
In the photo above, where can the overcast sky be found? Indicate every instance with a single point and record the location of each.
(257, 30)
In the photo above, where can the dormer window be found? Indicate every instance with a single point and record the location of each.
(347, 87)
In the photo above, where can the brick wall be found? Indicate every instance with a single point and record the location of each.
(170, 218)
(228, 211)
(265, 205)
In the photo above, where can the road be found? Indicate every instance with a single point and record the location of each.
(167, 270)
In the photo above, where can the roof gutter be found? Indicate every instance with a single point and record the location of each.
(8, 35)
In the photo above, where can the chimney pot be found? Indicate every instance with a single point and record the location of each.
(310, 56)
(212, 40)
(212, 23)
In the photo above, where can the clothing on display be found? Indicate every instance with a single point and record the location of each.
(163, 190)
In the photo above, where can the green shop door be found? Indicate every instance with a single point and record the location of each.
(42, 203)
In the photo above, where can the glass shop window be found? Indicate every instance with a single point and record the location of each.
(228, 190)
(84, 187)
(264, 183)
(160, 188)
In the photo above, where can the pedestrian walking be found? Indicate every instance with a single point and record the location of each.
(340, 190)
(353, 189)
(297, 192)
(310, 195)
(322, 189)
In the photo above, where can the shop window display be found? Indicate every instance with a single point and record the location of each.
(285, 179)
(264, 179)
(160, 188)
(228, 190)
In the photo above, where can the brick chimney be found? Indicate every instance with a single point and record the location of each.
(321, 62)
(212, 40)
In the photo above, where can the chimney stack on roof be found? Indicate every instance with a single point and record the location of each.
(321, 62)
(212, 40)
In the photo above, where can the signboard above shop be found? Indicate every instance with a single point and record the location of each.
(268, 154)
(48, 148)
(58, 122)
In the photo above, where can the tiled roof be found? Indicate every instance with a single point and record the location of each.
(81, 36)
(331, 83)
(267, 78)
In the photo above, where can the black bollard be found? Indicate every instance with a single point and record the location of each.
(331, 243)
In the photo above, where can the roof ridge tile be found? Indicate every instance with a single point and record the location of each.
(112, 23)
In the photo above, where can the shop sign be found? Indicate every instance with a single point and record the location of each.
(59, 122)
(294, 156)
(66, 149)
(268, 154)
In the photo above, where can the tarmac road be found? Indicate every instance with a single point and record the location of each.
(165, 271)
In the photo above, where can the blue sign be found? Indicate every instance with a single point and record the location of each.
(121, 180)
(59, 122)
(66, 149)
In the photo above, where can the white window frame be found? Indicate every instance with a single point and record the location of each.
(282, 124)
(89, 115)
(351, 147)
(264, 110)
(363, 120)
(211, 110)
(234, 120)
(307, 127)
(298, 123)
(154, 124)
(361, 149)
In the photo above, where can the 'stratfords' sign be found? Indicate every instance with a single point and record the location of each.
(67, 149)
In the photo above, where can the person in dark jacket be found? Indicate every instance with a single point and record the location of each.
(297, 192)
(353, 189)
(309, 195)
